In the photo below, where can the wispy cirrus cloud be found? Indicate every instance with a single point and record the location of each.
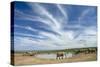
(26, 27)
(50, 22)
(61, 8)
(56, 26)
(88, 15)
(25, 16)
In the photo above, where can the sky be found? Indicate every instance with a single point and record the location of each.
(49, 26)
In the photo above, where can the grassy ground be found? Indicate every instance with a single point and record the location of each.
(29, 60)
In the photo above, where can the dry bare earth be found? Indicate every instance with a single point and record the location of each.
(29, 60)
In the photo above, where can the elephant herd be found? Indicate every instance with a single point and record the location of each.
(86, 51)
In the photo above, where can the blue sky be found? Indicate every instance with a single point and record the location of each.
(45, 26)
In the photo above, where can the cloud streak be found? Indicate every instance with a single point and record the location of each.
(62, 11)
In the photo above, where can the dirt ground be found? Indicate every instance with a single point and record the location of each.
(19, 59)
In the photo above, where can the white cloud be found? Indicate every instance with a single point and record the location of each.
(45, 13)
(33, 18)
(51, 22)
(62, 11)
(29, 35)
(26, 27)
(87, 13)
(56, 26)
(90, 31)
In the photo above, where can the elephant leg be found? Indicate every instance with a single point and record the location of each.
(62, 57)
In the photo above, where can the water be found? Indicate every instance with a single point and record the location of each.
(47, 56)
(53, 56)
